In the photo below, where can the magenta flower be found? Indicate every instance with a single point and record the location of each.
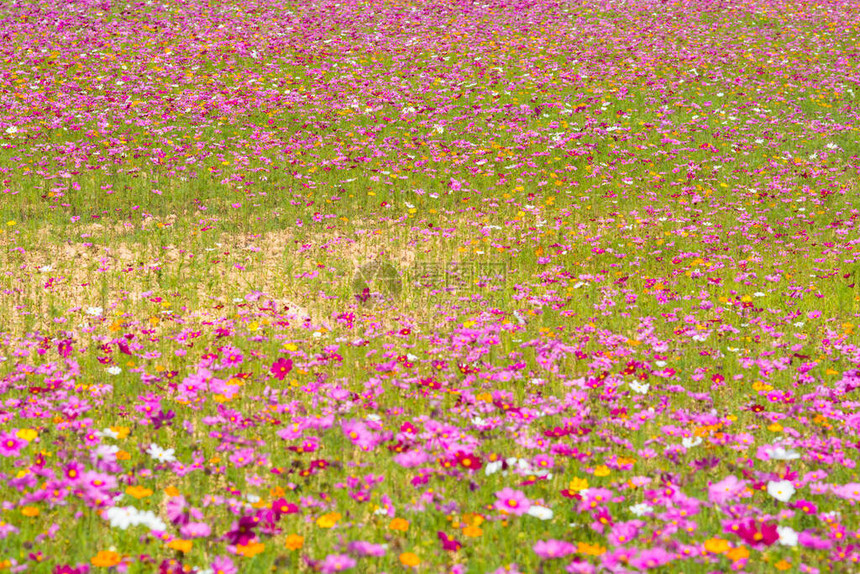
(281, 368)
(512, 501)
(281, 507)
(10, 445)
(175, 510)
(64, 348)
(755, 535)
(242, 531)
(448, 544)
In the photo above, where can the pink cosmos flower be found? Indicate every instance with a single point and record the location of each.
(549, 549)
(363, 548)
(232, 356)
(725, 490)
(512, 501)
(223, 565)
(195, 530)
(336, 563)
(651, 558)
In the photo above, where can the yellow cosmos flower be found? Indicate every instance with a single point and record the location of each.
(180, 545)
(328, 520)
(602, 470)
(251, 549)
(295, 542)
(716, 545)
(106, 559)
(27, 434)
(138, 491)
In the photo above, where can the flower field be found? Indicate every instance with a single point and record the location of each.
(442, 286)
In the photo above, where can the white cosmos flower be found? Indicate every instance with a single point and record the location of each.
(108, 433)
(758, 294)
(787, 535)
(160, 454)
(11, 130)
(492, 467)
(781, 490)
(106, 452)
(780, 453)
(121, 517)
(114, 370)
(46, 268)
(150, 520)
(641, 388)
(94, 311)
(690, 442)
(540, 512)
(641, 509)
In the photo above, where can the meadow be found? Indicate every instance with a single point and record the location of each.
(497, 286)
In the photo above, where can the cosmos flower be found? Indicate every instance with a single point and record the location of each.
(10, 445)
(550, 549)
(281, 368)
(641, 509)
(754, 534)
(511, 501)
(725, 490)
(336, 563)
(540, 512)
(161, 454)
(787, 535)
(781, 490)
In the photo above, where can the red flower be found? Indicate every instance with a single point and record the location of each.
(280, 368)
(468, 461)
